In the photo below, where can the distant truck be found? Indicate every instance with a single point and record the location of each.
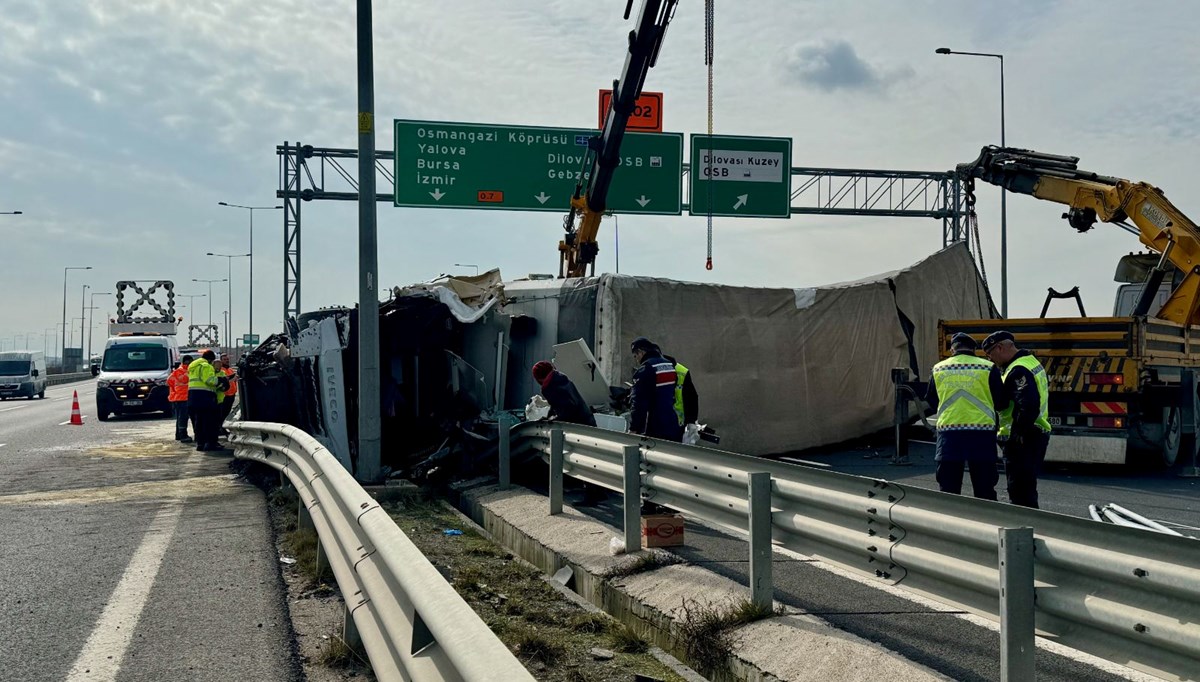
(22, 374)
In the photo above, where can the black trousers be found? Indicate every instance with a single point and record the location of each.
(202, 406)
(180, 410)
(1023, 463)
(984, 477)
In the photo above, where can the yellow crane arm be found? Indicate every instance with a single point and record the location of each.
(1092, 198)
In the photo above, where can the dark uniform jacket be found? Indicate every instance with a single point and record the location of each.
(654, 400)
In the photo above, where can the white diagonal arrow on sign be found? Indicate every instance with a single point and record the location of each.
(741, 201)
(642, 201)
(542, 197)
(437, 194)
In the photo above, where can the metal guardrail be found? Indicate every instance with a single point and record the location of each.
(56, 379)
(1125, 595)
(412, 623)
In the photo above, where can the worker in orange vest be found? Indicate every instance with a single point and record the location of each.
(177, 395)
(227, 404)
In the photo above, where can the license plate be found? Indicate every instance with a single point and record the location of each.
(1055, 421)
(132, 403)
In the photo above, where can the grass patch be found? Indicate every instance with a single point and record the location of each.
(590, 623)
(706, 630)
(626, 641)
(550, 635)
(302, 544)
(336, 653)
(644, 562)
(535, 646)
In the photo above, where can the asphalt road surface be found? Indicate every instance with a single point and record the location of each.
(127, 556)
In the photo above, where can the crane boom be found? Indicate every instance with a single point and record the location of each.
(1091, 197)
(578, 248)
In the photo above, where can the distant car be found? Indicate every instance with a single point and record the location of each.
(95, 364)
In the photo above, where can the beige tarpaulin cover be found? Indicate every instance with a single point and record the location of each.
(786, 369)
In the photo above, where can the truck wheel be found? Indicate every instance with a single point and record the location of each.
(1172, 435)
(42, 394)
(102, 416)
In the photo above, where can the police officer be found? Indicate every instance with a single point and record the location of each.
(969, 390)
(1025, 425)
(654, 393)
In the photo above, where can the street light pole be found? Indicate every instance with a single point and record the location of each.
(62, 360)
(251, 209)
(210, 283)
(1003, 191)
(229, 259)
(82, 318)
(191, 306)
(92, 317)
(10, 213)
(468, 265)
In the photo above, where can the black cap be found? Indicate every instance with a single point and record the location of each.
(963, 341)
(186, 358)
(642, 343)
(995, 338)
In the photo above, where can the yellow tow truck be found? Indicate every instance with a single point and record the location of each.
(1122, 388)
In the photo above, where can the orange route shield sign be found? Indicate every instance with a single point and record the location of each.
(647, 112)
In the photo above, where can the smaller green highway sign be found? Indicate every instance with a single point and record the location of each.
(741, 177)
(527, 168)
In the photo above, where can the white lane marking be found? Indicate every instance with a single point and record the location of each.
(104, 652)
(15, 407)
(3, 444)
(804, 461)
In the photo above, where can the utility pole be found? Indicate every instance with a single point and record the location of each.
(368, 465)
(82, 319)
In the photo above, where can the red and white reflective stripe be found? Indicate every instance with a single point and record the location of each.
(664, 374)
(1103, 408)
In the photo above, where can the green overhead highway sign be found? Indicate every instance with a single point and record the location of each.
(745, 177)
(249, 339)
(527, 168)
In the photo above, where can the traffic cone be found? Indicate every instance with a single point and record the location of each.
(76, 417)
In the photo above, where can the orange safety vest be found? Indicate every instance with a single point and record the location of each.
(232, 382)
(177, 385)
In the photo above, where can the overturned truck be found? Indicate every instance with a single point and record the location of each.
(777, 369)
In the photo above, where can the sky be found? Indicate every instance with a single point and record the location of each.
(123, 123)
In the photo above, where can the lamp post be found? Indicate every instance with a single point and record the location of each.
(62, 356)
(468, 265)
(82, 316)
(92, 317)
(10, 212)
(251, 209)
(1003, 191)
(229, 260)
(209, 282)
(191, 306)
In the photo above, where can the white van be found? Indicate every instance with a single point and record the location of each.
(22, 374)
(133, 374)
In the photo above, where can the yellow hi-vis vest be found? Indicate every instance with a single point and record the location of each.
(1043, 387)
(201, 376)
(680, 375)
(964, 394)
